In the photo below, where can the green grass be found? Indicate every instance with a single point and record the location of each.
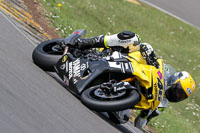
(177, 42)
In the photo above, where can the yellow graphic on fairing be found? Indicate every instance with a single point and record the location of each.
(151, 80)
(64, 59)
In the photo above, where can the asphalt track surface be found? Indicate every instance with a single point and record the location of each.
(31, 101)
(185, 10)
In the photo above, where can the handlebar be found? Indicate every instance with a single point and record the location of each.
(70, 40)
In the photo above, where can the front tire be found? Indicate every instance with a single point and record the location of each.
(127, 101)
(45, 56)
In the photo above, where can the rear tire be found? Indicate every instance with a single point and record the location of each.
(43, 59)
(128, 101)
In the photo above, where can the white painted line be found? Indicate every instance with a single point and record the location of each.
(17, 28)
(167, 12)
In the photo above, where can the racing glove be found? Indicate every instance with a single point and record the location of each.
(148, 54)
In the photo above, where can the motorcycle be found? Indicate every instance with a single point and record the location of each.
(92, 75)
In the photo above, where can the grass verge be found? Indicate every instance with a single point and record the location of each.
(173, 40)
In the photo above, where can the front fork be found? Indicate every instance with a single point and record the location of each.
(66, 50)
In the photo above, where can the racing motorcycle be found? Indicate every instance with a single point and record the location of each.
(93, 75)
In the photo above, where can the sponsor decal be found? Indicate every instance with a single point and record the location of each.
(158, 90)
(74, 70)
(66, 66)
(189, 91)
(124, 41)
(160, 85)
(62, 66)
(64, 59)
(70, 70)
(83, 67)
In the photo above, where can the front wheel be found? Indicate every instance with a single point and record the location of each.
(47, 53)
(95, 99)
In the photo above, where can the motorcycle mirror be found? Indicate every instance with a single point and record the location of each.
(75, 35)
(81, 32)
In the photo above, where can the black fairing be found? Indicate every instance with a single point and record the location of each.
(79, 73)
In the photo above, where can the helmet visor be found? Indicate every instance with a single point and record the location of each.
(176, 93)
(180, 93)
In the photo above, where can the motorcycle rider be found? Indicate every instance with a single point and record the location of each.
(178, 86)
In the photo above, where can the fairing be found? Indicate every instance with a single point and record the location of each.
(79, 73)
(151, 79)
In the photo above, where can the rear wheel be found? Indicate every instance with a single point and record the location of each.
(96, 99)
(47, 54)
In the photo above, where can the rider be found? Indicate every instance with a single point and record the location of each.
(178, 86)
